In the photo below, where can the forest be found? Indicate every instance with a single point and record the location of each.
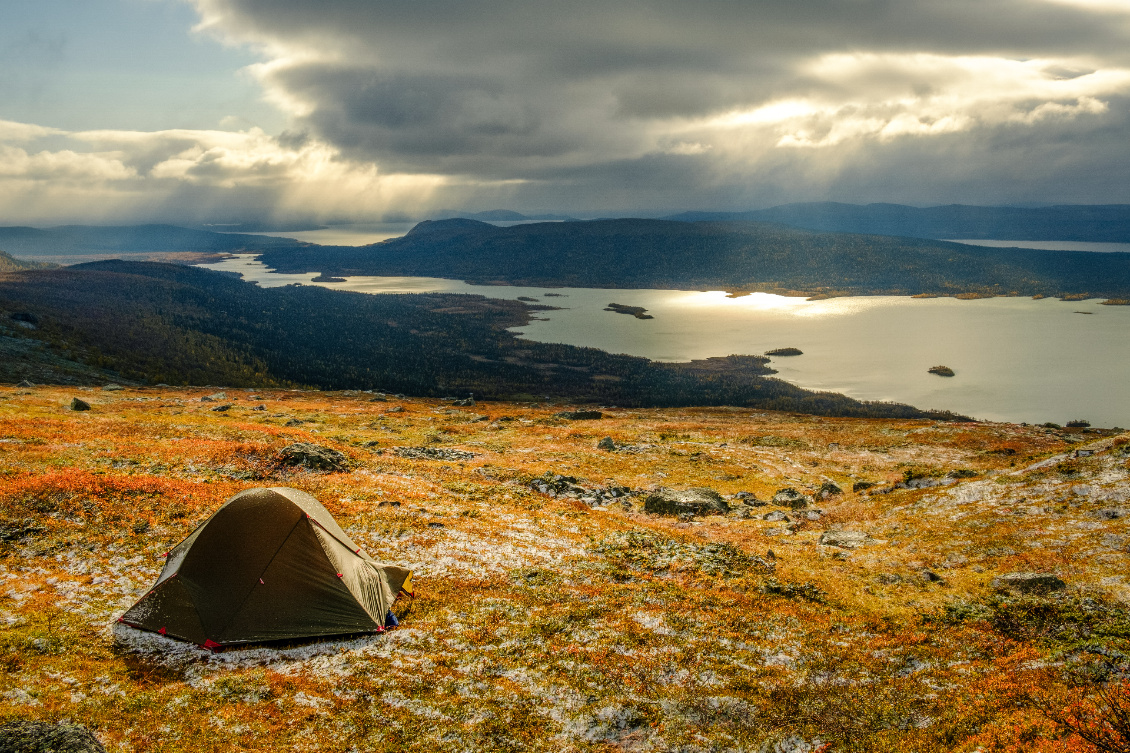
(734, 256)
(162, 323)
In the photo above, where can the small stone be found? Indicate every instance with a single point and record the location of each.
(606, 444)
(790, 497)
(312, 456)
(217, 397)
(294, 422)
(43, 737)
(845, 539)
(259, 407)
(696, 501)
(396, 409)
(828, 490)
(222, 408)
(579, 415)
(776, 517)
(467, 403)
(1032, 583)
(77, 404)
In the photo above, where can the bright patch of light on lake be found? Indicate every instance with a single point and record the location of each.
(1016, 359)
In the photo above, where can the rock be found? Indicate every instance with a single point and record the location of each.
(222, 408)
(294, 422)
(696, 501)
(111, 387)
(845, 539)
(42, 737)
(579, 415)
(467, 403)
(606, 444)
(749, 499)
(1030, 583)
(396, 409)
(433, 453)
(378, 399)
(828, 490)
(776, 517)
(77, 404)
(790, 497)
(217, 397)
(312, 456)
(25, 384)
(931, 577)
(944, 371)
(860, 486)
(259, 407)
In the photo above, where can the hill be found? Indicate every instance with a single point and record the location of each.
(1102, 223)
(9, 263)
(184, 325)
(556, 614)
(635, 253)
(77, 240)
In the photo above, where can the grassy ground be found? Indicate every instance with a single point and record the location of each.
(542, 623)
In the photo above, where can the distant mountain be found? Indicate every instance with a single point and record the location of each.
(634, 253)
(1109, 223)
(71, 240)
(502, 215)
(11, 264)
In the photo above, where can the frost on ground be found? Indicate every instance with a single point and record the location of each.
(865, 620)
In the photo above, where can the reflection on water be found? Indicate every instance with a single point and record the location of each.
(1050, 245)
(1016, 359)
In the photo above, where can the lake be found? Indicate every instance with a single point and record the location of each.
(1016, 359)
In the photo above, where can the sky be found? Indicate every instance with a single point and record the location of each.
(196, 111)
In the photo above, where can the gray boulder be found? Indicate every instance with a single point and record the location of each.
(790, 497)
(776, 517)
(845, 539)
(312, 456)
(1029, 583)
(41, 737)
(697, 501)
(606, 444)
(828, 490)
(77, 404)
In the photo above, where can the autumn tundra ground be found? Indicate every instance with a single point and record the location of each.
(551, 611)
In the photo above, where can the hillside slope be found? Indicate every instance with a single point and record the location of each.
(556, 614)
(9, 263)
(713, 255)
(184, 325)
(77, 240)
(1101, 223)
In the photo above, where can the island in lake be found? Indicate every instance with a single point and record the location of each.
(945, 371)
(638, 312)
(785, 352)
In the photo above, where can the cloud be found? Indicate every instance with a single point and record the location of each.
(641, 105)
(187, 175)
(592, 93)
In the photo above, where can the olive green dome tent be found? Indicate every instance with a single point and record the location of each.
(270, 564)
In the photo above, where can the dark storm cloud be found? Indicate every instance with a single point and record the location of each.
(580, 92)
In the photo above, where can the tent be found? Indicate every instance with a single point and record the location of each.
(270, 564)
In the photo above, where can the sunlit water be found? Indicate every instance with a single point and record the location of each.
(1049, 245)
(1016, 359)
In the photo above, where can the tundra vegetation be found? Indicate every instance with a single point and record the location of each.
(851, 597)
